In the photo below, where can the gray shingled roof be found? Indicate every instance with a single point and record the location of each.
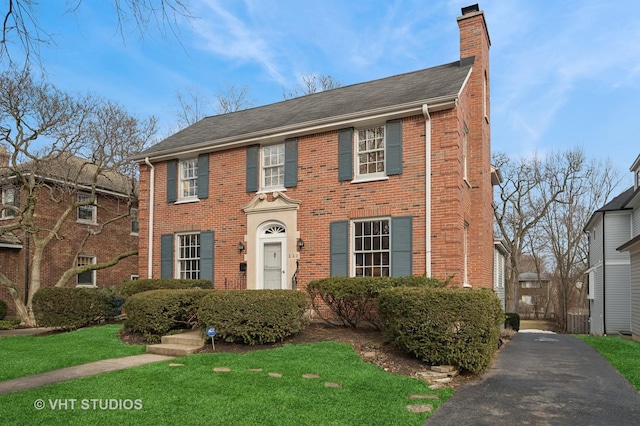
(618, 202)
(428, 84)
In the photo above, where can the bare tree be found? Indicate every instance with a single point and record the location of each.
(231, 99)
(59, 145)
(22, 31)
(590, 186)
(312, 83)
(191, 108)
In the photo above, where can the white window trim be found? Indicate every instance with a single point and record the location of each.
(134, 277)
(465, 248)
(181, 197)
(94, 210)
(368, 177)
(178, 259)
(263, 186)
(352, 242)
(3, 199)
(93, 273)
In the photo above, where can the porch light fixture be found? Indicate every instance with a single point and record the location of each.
(300, 243)
(240, 246)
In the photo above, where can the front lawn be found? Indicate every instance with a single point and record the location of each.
(346, 391)
(26, 355)
(623, 354)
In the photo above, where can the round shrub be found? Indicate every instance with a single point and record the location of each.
(155, 313)
(3, 309)
(512, 321)
(443, 325)
(71, 307)
(254, 316)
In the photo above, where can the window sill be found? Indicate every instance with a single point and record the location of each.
(86, 286)
(270, 190)
(134, 234)
(362, 179)
(187, 201)
(87, 222)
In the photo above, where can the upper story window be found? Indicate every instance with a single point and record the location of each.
(10, 198)
(273, 166)
(135, 224)
(87, 278)
(86, 213)
(188, 179)
(371, 248)
(370, 150)
(637, 179)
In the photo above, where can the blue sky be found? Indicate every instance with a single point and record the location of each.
(563, 73)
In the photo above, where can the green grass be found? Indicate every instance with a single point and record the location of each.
(28, 355)
(195, 394)
(622, 354)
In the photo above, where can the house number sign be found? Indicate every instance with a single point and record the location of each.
(211, 332)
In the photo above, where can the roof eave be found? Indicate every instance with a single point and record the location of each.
(305, 128)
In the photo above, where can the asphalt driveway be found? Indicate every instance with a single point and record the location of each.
(544, 379)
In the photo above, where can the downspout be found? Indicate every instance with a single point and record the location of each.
(427, 187)
(604, 279)
(152, 180)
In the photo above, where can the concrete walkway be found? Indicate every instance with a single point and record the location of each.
(544, 379)
(83, 370)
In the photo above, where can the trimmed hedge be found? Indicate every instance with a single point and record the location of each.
(130, 288)
(71, 307)
(512, 321)
(254, 316)
(154, 313)
(353, 299)
(3, 309)
(443, 326)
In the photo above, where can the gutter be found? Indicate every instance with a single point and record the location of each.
(152, 181)
(310, 127)
(427, 187)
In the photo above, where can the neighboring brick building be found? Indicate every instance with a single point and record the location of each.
(64, 178)
(388, 177)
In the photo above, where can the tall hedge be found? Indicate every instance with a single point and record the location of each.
(254, 316)
(129, 288)
(71, 307)
(155, 313)
(443, 326)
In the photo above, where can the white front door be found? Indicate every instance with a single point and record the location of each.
(273, 271)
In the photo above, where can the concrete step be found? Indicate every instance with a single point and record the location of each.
(190, 338)
(171, 349)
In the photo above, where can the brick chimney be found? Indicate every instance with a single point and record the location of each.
(4, 157)
(474, 48)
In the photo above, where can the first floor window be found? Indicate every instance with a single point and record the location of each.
(9, 197)
(189, 178)
(273, 166)
(135, 225)
(86, 213)
(87, 278)
(371, 248)
(370, 151)
(188, 259)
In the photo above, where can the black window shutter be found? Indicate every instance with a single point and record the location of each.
(172, 186)
(401, 246)
(206, 255)
(203, 176)
(339, 248)
(393, 156)
(291, 163)
(345, 154)
(252, 168)
(166, 256)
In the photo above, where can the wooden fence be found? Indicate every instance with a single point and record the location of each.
(578, 324)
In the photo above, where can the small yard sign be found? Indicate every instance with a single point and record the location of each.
(211, 331)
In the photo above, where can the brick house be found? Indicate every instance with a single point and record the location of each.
(388, 177)
(65, 179)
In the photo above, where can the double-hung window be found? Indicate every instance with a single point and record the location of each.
(87, 278)
(370, 152)
(188, 259)
(371, 248)
(273, 167)
(86, 212)
(135, 224)
(9, 198)
(188, 179)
